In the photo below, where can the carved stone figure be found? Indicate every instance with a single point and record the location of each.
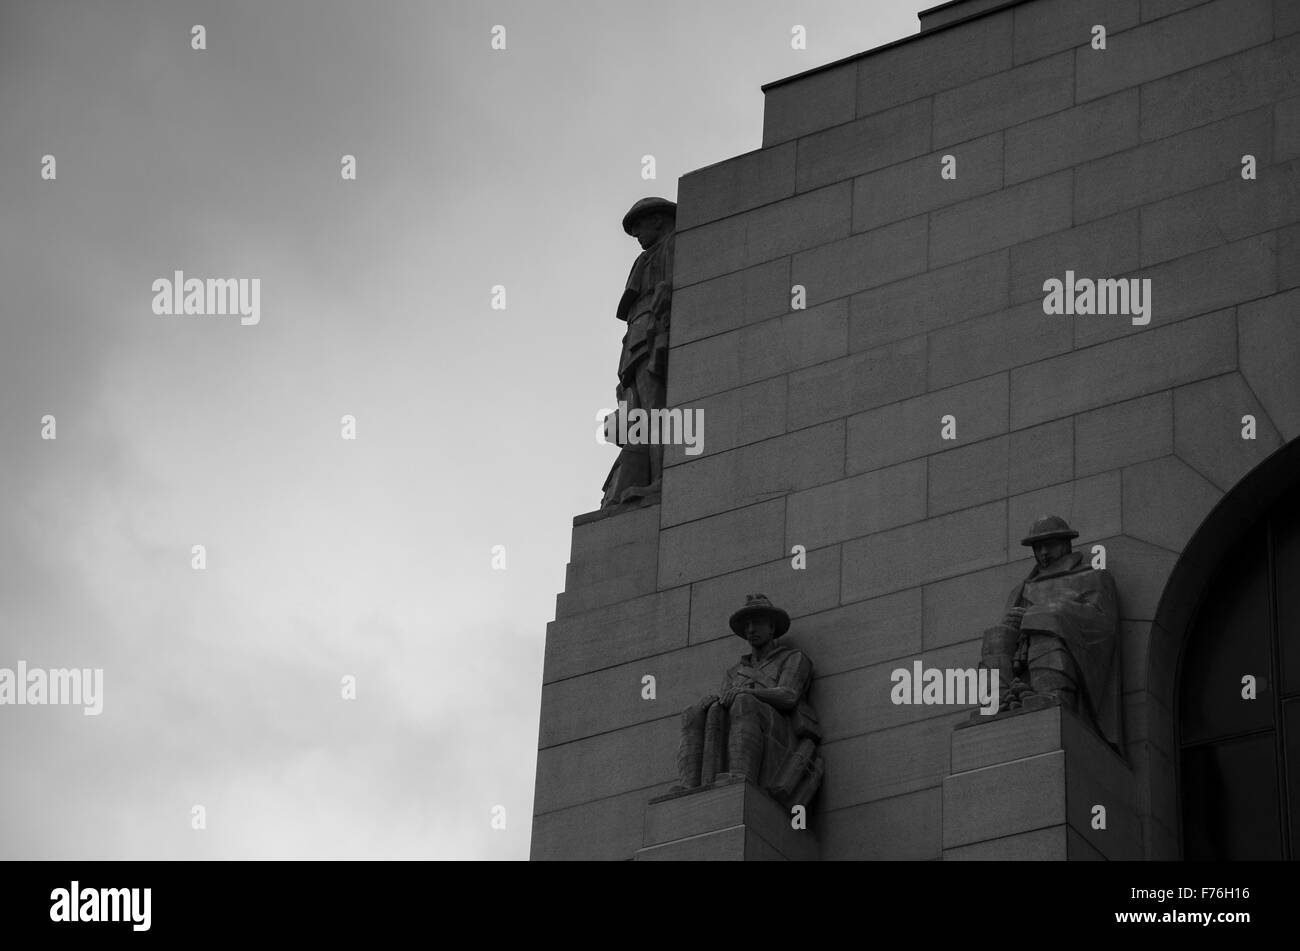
(759, 725)
(1059, 643)
(643, 365)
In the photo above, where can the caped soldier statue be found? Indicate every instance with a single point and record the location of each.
(1059, 643)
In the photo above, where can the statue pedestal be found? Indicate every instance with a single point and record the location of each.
(1027, 786)
(728, 821)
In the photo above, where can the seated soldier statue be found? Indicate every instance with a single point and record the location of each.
(760, 725)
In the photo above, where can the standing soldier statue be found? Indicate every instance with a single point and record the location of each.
(643, 365)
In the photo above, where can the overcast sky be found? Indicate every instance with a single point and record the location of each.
(475, 427)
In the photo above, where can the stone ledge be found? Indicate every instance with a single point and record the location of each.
(731, 820)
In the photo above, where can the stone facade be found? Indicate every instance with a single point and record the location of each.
(925, 299)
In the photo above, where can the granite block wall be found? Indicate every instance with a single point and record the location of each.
(924, 299)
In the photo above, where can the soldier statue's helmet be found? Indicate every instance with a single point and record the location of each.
(759, 604)
(648, 206)
(1047, 528)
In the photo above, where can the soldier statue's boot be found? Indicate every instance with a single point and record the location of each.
(690, 756)
(1050, 688)
(715, 744)
(744, 749)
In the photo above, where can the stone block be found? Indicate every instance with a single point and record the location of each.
(1219, 278)
(927, 301)
(611, 699)
(1208, 430)
(863, 633)
(1107, 247)
(725, 361)
(863, 145)
(640, 627)
(1141, 572)
(887, 763)
(1170, 45)
(1286, 18)
(1067, 138)
(1226, 87)
(795, 224)
(1041, 455)
(1041, 845)
(1124, 433)
(861, 505)
(810, 104)
(858, 701)
(905, 828)
(959, 609)
(913, 428)
(735, 185)
(728, 806)
(1027, 771)
(1288, 258)
(1286, 138)
(601, 539)
(725, 845)
(802, 592)
(1005, 739)
(1091, 506)
(1097, 776)
(1154, 9)
(954, 10)
(735, 418)
(967, 475)
(1007, 799)
(623, 562)
(607, 830)
(1205, 155)
(1165, 500)
(705, 367)
(721, 543)
(1269, 337)
(865, 260)
(766, 233)
(709, 251)
(1004, 99)
(796, 340)
(857, 382)
(916, 187)
(638, 757)
(924, 551)
(1011, 216)
(1050, 26)
(591, 595)
(757, 473)
(1134, 639)
(1221, 214)
(994, 343)
(725, 303)
(951, 58)
(1122, 369)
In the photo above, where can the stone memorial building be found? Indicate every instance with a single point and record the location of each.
(1031, 275)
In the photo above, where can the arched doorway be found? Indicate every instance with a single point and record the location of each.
(1239, 700)
(1231, 610)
